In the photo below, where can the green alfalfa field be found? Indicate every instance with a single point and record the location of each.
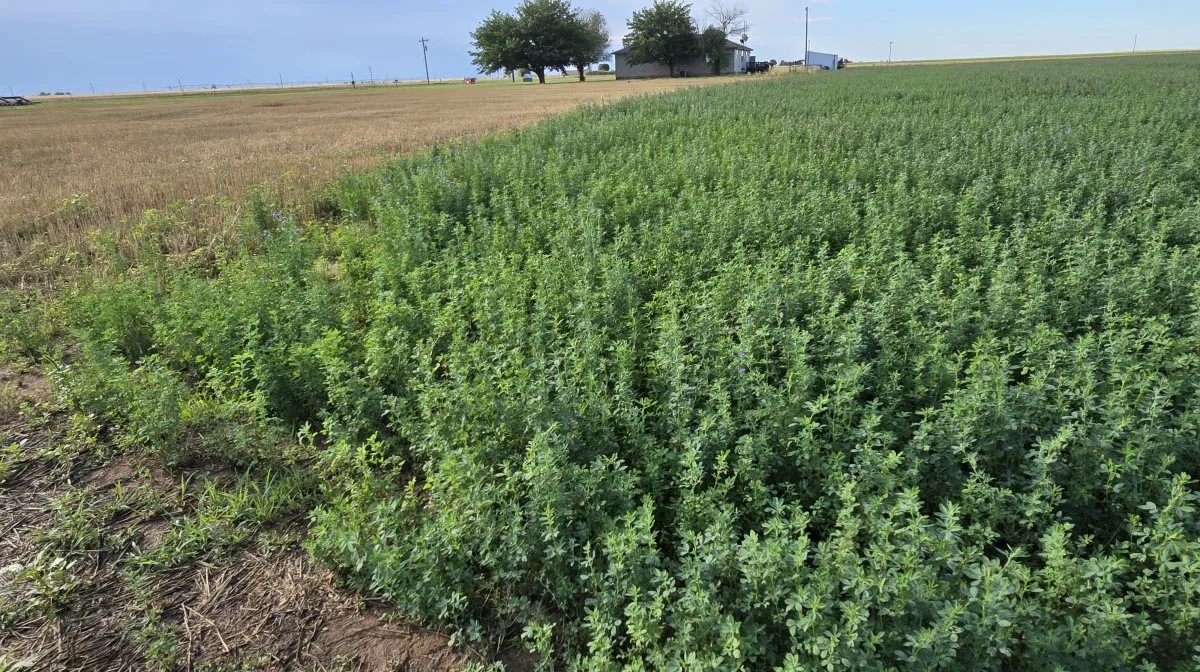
(889, 368)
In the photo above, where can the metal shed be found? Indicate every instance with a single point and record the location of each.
(829, 61)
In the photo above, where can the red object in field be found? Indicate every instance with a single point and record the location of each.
(468, 80)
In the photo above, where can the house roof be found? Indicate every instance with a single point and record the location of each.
(729, 44)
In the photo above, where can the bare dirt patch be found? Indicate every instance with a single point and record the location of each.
(34, 387)
(19, 389)
(261, 609)
(28, 483)
(24, 506)
(118, 470)
(56, 610)
(279, 610)
(272, 611)
(152, 532)
(72, 596)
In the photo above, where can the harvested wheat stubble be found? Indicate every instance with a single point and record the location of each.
(75, 166)
(280, 607)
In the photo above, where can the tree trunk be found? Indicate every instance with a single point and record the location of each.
(541, 73)
(581, 69)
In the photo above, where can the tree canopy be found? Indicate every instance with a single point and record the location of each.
(662, 33)
(729, 17)
(593, 42)
(498, 44)
(543, 35)
(712, 46)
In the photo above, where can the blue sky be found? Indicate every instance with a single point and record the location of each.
(70, 45)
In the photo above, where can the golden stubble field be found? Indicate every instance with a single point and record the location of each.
(69, 168)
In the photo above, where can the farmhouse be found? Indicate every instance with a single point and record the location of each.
(736, 63)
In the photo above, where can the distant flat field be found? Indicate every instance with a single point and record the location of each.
(1004, 59)
(71, 166)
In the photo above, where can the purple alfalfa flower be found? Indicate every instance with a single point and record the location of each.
(741, 370)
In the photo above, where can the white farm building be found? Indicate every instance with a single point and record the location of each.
(738, 58)
(818, 59)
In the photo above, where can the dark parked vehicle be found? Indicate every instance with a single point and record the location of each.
(757, 66)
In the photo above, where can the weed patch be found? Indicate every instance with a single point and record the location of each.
(888, 369)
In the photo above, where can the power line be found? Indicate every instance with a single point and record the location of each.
(425, 54)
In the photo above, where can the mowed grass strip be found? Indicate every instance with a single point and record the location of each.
(72, 167)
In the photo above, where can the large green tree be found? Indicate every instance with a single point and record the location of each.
(593, 42)
(714, 49)
(543, 35)
(497, 44)
(662, 33)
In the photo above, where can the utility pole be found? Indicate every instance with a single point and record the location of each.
(806, 37)
(180, 82)
(889, 53)
(425, 54)
(371, 73)
(281, 80)
(93, 87)
(1135, 43)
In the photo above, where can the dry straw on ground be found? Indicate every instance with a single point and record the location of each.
(73, 167)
